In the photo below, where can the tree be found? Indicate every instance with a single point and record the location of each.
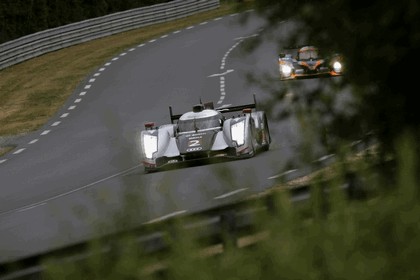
(19, 17)
(380, 42)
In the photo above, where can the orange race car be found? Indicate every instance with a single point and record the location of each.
(306, 62)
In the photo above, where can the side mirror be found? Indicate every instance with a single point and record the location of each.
(149, 125)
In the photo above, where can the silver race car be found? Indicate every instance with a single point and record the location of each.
(203, 134)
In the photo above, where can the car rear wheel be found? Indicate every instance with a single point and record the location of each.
(252, 142)
(265, 147)
(266, 138)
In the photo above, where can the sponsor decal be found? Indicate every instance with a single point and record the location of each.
(194, 149)
(194, 143)
(196, 135)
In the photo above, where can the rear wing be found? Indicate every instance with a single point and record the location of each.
(294, 47)
(324, 51)
(237, 108)
(173, 117)
(209, 105)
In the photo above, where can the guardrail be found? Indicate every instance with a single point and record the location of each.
(39, 43)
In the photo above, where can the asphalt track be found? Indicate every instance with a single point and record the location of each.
(73, 178)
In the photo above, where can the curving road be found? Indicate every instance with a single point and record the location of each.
(74, 177)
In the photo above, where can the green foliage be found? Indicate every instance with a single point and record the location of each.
(378, 40)
(373, 238)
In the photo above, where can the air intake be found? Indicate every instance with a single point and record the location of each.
(198, 108)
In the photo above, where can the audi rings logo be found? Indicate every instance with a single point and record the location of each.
(195, 149)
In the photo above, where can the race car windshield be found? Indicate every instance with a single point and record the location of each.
(308, 54)
(199, 124)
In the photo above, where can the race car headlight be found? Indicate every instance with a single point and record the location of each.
(286, 70)
(149, 145)
(238, 132)
(337, 67)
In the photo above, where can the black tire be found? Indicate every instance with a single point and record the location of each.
(267, 136)
(252, 146)
(266, 147)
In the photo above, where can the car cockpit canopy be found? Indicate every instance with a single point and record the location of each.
(307, 53)
(200, 120)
